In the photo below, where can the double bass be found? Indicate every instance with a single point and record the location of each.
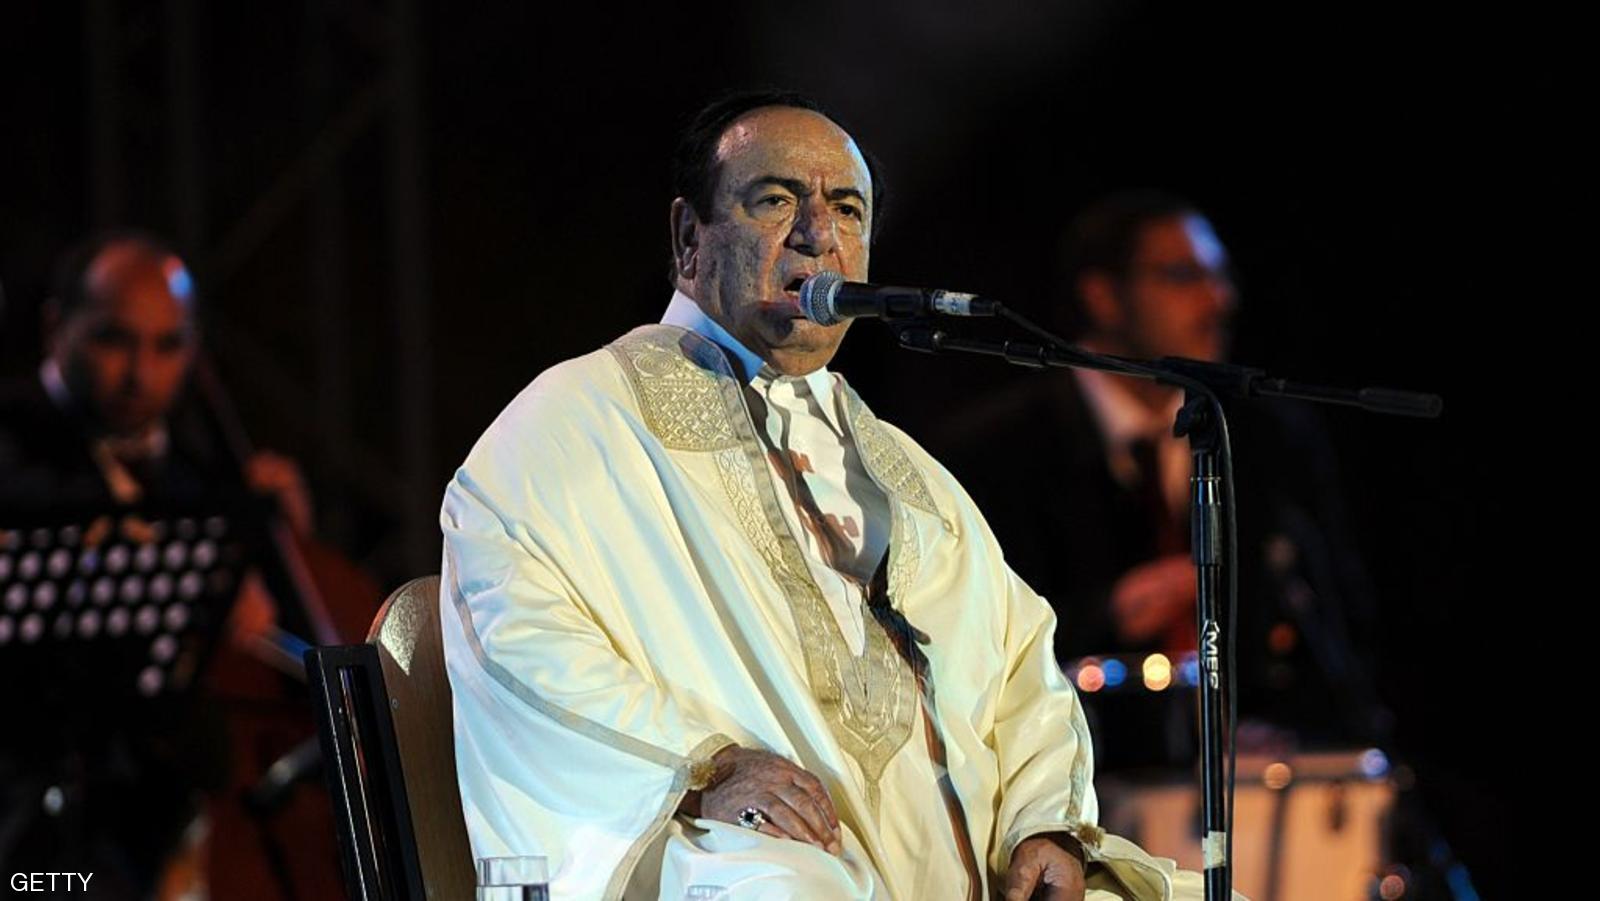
(271, 829)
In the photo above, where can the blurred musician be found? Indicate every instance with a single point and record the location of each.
(111, 419)
(1102, 528)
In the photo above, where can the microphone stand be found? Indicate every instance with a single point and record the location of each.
(1213, 541)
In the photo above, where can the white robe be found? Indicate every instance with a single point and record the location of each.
(623, 598)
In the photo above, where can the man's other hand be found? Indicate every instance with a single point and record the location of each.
(1042, 862)
(1152, 597)
(796, 803)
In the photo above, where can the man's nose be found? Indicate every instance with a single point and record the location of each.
(814, 232)
(141, 371)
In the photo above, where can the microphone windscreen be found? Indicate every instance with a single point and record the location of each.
(816, 297)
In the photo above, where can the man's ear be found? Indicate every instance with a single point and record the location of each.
(1100, 302)
(685, 239)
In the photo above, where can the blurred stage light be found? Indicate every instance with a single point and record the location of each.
(1116, 672)
(1091, 677)
(1157, 672)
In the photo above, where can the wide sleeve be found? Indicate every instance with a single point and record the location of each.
(1040, 736)
(1046, 762)
(563, 748)
(1043, 755)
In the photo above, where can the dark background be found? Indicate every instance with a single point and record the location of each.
(398, 216)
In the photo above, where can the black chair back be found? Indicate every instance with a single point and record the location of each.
(361, 757)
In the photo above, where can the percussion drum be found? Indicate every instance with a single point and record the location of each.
(1307, 827)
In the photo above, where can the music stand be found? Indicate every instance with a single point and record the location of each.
(103, 611)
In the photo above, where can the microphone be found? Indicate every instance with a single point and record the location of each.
(827, 299)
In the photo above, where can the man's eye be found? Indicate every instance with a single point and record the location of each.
(848, 210)
(773, 200)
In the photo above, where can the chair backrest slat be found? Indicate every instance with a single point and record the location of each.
(406, 634)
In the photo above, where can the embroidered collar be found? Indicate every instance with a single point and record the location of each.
(684, 312)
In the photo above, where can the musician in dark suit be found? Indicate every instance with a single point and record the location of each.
(1091, 503)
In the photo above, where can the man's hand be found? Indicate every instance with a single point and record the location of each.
(279, 476)
(1152, 596)
(796, 803)
(1043, 862)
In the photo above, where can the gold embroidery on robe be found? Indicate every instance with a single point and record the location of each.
(691, 401)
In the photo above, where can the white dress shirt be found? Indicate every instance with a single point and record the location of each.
(838, 514)
(1124, 420)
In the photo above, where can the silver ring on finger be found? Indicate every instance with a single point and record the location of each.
(753, 818)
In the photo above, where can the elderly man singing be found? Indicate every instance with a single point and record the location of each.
(716, 630)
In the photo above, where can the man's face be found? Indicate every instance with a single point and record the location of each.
(126, 352)
(1177, 296)
(792, 198)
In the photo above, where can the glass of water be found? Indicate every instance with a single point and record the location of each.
(513, 879)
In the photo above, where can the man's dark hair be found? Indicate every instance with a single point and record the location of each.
(694, 161)
(1104, 238)
(71, 293)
